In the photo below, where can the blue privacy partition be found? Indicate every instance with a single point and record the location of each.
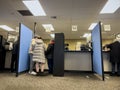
(97, 50)
(24, 44)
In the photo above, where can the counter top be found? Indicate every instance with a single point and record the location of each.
(84, 51)
(106, 51)
(76, 51)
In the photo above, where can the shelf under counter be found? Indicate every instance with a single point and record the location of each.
(81, 61)
(78, 60)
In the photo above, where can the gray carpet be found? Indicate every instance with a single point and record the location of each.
(71, 81)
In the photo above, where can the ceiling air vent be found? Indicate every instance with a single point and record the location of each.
(54, 17)
(25, 12)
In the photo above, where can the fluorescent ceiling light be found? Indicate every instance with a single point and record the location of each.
(52, 35)
(35, 7)
(86, 35)
(5, 27)
(48, 27)
(74, 27)
(92, 26)
(110, 7)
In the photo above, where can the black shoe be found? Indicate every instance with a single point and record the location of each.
(112, 74)
(38, 74)
(42, 74)
(50, 72)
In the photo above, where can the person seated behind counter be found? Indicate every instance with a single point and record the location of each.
(67, 47)
(84, 47)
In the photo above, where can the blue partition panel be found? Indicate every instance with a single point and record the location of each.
(25, 39)
(97, 50)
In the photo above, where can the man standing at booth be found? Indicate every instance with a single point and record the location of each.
(115, 55)
(49, 56)
(15, 52)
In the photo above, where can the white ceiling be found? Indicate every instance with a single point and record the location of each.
(68, 12)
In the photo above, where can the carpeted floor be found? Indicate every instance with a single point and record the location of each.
(71, 81)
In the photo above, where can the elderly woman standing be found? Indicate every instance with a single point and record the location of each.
(39, 55)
